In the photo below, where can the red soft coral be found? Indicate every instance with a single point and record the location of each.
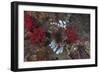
(27, 22)
(38, 35)
(36, 32)
(72, 36)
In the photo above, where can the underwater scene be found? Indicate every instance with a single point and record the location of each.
(56, 36)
